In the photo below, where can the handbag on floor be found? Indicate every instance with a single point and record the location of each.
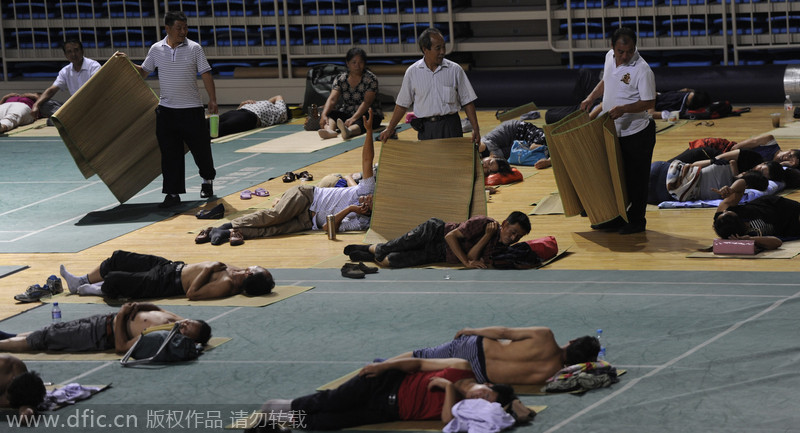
(162, 346)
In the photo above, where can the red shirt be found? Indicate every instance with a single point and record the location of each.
(473, 230)
(414, 400)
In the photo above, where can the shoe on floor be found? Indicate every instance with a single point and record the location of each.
(170, 201)
(54, 285)
(33, 294)
(614, 224)
(204, 236)
(236, 238)
(206, 190)
(215, 213)
(631, 228)
(350, 270)
(366, 269)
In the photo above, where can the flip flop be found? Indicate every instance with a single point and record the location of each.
(261, 192)
(246, 195)
(289, 177)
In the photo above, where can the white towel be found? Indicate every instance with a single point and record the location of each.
(477, 415)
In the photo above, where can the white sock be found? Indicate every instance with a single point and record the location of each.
(73, 281)
(91, 289)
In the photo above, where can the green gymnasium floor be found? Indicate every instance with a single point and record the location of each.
(694, 347)
(47, 206)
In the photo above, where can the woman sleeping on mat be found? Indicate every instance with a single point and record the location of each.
(495, 147)
(749, 152)
(393, 390)
(764, 220)
(15, 110)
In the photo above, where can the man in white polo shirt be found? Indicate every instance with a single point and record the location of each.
(180, 115)
(628, 89)
(438, 89)
(70, 77)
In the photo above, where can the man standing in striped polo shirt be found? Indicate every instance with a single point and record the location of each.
(438, 89)
(180, 116)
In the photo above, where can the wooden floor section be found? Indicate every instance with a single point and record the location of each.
(671, 234)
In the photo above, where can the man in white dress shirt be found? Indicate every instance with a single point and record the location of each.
(70, 77)
(438, 89)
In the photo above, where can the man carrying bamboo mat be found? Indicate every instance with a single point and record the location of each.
(629, 91)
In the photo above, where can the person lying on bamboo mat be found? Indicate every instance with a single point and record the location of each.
(471, 243)
(700, 180)
(101, 332)
(749, 152)
(252, 114)
(404, 389)
(140, 276)
(306, 207)
(19, 388)
(763, 220)
(496, 145)
(15, 110)
(525, 356)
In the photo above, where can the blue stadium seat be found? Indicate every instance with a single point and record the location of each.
(271, 38)
(376, 7)
(86, 36)
(587, 4)
(635, 3)
(421, 7)
(690, 58)
(325, 62)
(34, 10)
(327, 35)
(584, 30)
(236, 37)
(646, 27)
(203, 36)
(36, 69)
(326, 7)
(126, 9)
(785, 24)
(293, 7)
(687, 2)
(744, 26)
(36, 38)
(190, 8)
(376, 34)
(684, 27)
(81, 9)
(125, 38)
(233, 8)
(225, 69)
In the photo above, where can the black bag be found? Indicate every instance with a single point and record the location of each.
(162, 347)
(319, 83)
(714, 111)
(517, 256)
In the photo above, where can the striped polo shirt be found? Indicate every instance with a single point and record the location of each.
(435, 93)
(177, 72)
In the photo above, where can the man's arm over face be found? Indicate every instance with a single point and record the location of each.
(122, 341)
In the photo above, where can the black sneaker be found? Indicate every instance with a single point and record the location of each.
(54, 284)
(170, 201)
(206, 190)
(350, 270)
(36, 292)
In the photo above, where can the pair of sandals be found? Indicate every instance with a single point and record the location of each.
(247, 194)
(291, 177)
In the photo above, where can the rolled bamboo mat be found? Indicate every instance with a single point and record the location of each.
(588, 167)
(418, 180)
(109, 124)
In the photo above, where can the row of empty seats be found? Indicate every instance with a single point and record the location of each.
(684, 26)
(693, 58)
(596, 4)
(35, 69)
(213, 8)
(223, 36)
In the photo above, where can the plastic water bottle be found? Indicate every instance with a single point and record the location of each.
(601, 356)
(56, 313)
(788, 109)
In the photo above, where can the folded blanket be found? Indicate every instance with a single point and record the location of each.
(476, 415)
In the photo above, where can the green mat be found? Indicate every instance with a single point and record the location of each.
(10, 269)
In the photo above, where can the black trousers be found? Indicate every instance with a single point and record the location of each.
(447, 127)
(423, 244)
(637, 152)
(137, 276)
(174, 127)
(359, 401)
(235, 121)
